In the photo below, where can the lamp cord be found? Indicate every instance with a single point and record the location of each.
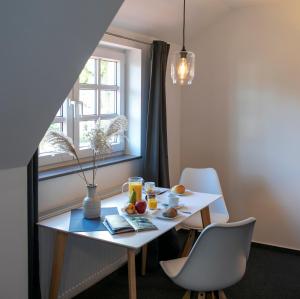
(183, 28)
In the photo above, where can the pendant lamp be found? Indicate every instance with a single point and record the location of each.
(183, 62)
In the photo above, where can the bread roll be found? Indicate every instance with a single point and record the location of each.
(179, 189)
(170, 213)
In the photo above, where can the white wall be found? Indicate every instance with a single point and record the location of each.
(242, 116)
(70, 189)
(13, 232)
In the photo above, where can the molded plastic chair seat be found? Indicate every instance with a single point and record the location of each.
(173, 267)
(195, 222)
(217, 260)
(204, 180)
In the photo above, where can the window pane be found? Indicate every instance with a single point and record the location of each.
(88, 98)
(84, 128)
(108, 72)
(44, 146)
(108, 102)
(104, 123)
(88, 74)
(59, 112)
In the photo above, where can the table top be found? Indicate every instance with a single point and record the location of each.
(192, 202)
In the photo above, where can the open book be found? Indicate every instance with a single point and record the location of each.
(117, 224)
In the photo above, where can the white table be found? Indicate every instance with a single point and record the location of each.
(193, 203)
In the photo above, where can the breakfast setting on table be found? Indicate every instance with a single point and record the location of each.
(147, 197)
(144, 202)
(140, 204)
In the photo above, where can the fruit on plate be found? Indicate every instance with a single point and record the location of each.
(179, 189)
(141, 206)
(130, 209)
(170, 213)
(132, 198)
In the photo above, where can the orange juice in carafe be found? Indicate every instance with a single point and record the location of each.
(137, 187)
(136, 184)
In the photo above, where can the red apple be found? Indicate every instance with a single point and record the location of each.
(141, 206)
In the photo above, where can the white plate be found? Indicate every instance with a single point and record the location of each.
(186, 193)
(180, 206)
(161, 216)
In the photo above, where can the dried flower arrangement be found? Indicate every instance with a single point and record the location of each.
(100, 141)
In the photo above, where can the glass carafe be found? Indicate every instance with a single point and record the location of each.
(136, 184)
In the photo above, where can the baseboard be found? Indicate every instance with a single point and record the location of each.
(276, 248)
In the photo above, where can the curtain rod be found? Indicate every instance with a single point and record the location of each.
(128, 38)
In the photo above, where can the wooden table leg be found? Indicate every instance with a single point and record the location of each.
(144, 259)
(131, 273)
(57, 263)
(205, 215)
(188, 244)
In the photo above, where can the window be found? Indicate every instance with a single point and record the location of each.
(98, 92)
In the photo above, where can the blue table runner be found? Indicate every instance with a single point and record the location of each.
(79, 224)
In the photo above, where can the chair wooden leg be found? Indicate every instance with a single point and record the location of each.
(209, 295)
(216, 295)
(186, 295)
(144, 259)
(188, 243)
(222, 295)
(203, 295)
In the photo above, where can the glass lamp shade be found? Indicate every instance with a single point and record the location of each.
(183, 68)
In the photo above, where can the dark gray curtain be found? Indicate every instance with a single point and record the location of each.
(33, 241)
(156, 157)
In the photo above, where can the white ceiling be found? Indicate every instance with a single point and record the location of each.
(163, 18)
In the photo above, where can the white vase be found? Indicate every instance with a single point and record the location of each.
(91, 206)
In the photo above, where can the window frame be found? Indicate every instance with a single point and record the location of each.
(105, 53)
(72, 108)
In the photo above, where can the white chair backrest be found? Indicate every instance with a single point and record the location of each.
(219, 256)
(204, 180)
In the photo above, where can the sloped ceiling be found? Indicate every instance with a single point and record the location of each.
(163, 18)
(44, 45)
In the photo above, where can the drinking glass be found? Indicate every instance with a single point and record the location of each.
(149, 187)
(152, 201)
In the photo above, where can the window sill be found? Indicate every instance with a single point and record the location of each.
(55, 173)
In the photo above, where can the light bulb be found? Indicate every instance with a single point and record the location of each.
(182, 69)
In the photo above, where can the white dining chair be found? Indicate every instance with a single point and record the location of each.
(217, 260)
(204, 180)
